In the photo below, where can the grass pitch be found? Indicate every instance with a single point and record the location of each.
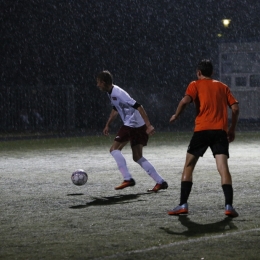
(44, 216)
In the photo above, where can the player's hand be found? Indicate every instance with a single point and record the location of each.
(106, 131)
(231, 135)
(172, 119)
(150, 130)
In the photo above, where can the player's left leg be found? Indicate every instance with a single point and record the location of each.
(121, 139)
(115, 151)
(137, 151)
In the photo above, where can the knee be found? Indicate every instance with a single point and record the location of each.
(223, 169)
(112, 149)
(136, 158)
(186, 176)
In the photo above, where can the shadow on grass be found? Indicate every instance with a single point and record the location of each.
(196, 229)
(75, 194)
(104, 201)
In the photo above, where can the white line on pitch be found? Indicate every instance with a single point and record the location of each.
(177, 243)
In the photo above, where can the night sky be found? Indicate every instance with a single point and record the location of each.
(151, 47)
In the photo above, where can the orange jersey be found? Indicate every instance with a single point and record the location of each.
(211, 98)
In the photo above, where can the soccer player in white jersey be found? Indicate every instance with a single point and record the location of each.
(136, 129)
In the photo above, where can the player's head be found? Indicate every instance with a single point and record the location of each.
(205, 67)
(106, 77)
(104, 81)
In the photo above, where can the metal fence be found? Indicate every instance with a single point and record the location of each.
(37, 108)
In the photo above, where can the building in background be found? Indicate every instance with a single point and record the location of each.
(239, 68)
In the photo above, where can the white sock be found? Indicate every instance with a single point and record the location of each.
(147, 166)
(121, 163)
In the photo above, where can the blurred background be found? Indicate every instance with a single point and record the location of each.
(53, 49)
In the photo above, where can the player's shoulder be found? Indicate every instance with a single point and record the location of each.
(192, 83)
(116, 90)
(215, 81)
(219, 83)
(119, 91)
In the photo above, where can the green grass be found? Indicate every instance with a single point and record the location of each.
(44, 216)
(100, 140)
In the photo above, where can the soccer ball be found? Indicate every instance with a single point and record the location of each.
(79, 177)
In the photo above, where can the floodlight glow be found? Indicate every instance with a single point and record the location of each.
(226, 22)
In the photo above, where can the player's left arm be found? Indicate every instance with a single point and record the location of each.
(150, 129)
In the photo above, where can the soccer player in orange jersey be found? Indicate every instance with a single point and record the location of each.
(212, 99)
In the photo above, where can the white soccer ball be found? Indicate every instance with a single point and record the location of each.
(79, 177)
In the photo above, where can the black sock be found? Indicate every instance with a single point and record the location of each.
(185, 191)
(228, 193)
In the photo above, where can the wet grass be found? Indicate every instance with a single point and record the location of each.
(44, 216)
(99, 140)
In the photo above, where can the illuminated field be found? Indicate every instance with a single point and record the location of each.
(44, 216)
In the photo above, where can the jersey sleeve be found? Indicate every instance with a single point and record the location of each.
(192, 90)
(230, 98)
(136, 105)
(125, 98)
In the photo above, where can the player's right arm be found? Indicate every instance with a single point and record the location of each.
(182, 105)
(235, 114)
(111, 118)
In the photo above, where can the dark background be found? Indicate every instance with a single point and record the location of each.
(151, 48)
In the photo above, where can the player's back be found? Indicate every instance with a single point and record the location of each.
(211, 104)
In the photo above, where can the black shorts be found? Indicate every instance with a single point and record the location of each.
(134, 135)
(215, 139)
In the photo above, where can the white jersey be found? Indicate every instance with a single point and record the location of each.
(121, 100)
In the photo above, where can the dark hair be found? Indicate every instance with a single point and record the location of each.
(206, 68)
(105, 76)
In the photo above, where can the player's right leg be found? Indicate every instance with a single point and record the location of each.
(226, 182)
(139, 139)
(161, 184)
(220, 151)
(222, 166)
